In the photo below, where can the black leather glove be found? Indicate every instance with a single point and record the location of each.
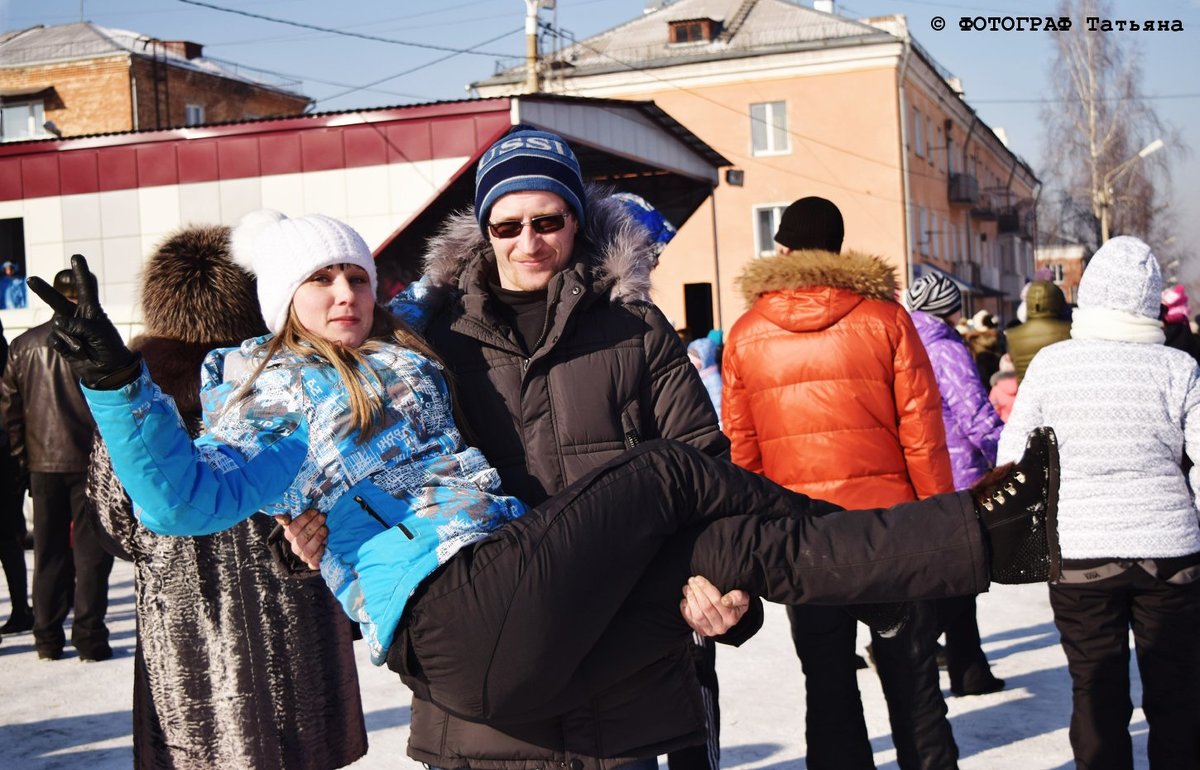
(83, 334)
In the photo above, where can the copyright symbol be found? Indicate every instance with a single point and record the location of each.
(938, 23)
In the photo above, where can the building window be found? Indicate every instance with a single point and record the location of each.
(929, 138)
(693, 30)
(923, 230)
(768, 128)
(766, 222)
(194, 115)
(918, 137)
(22, 121)
(12, 264)
(1056, 272)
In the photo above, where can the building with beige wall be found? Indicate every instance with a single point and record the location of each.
(807, 102)
(86, 79)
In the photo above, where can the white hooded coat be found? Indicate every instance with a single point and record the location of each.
(1124, 408)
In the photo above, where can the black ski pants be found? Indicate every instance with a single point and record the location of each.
(584, 589)
(1094, 620)
(70, 566)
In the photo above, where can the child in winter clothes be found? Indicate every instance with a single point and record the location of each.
(1004, 388)
(1125, 408)
(496, 612)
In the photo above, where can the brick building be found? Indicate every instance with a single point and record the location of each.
(81, 79)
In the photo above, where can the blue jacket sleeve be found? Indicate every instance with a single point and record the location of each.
(183, 487)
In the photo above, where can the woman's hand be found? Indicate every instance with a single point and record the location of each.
(83, 334)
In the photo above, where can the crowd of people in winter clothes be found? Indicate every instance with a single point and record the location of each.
(512, 539)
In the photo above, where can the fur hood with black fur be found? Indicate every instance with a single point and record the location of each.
(868, 276)
(614, 248)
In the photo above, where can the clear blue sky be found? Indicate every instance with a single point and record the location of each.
(1005, 74)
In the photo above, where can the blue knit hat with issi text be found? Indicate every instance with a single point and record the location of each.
(523, 160)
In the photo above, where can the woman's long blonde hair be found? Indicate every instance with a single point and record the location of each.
(362, 384)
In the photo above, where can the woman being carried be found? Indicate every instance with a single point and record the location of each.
(496, 612)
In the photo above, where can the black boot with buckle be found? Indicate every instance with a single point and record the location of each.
(1018, 506)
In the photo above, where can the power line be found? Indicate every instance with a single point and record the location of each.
(345, 33)
(411, 70)
(1075, 99)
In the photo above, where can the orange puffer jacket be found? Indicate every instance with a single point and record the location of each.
(827, 388)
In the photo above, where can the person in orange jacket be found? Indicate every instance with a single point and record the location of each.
(828, 391)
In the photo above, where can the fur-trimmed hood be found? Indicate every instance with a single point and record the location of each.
(868, 276)
(813, 289)
(615, 251)
(192, 291)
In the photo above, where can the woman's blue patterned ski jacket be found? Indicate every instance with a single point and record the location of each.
(398, 504)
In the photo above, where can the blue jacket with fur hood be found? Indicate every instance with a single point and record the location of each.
(398, 503)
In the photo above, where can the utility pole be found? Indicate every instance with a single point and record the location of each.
(533, 79)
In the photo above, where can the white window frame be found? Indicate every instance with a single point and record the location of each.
(34, 121)
(776, 212)
(923, 230)
(193, 115)
(774, 120)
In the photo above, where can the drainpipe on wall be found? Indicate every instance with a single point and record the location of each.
(719, 324)
(970, 230)
(906, 194)
(133, 102)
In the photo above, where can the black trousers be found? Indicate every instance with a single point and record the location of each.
(835, 729)
(966, 662)
(69, 565)
(908, 673)
(584, 589)
(1094, 620)
(12, 532)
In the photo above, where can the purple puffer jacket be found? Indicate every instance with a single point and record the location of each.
(972, 425)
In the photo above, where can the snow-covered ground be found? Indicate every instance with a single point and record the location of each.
(68, 714)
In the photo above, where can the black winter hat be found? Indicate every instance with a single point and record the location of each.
(811, 223)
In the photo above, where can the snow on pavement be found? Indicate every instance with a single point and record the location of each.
(70, 714)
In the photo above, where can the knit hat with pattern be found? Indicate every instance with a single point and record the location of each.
(282, 253)
(934, 294)
(525, 160)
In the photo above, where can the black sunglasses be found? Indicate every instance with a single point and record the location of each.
(543, 225)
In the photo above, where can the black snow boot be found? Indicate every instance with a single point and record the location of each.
(1018, 506)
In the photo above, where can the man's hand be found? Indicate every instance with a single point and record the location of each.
(307, 534)
(707, 611)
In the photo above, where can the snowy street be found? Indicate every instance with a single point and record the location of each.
(69, 714)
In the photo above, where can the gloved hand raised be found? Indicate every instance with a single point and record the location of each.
(83, 334)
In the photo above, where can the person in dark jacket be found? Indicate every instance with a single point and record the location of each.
(12, 528)
(218, 599)
(50, 432)
(562, 363)
(972, 433)
(1045, 324)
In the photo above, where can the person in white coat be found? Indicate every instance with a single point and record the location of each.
(1125, 408)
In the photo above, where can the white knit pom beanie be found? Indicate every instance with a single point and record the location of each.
(282, 253)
